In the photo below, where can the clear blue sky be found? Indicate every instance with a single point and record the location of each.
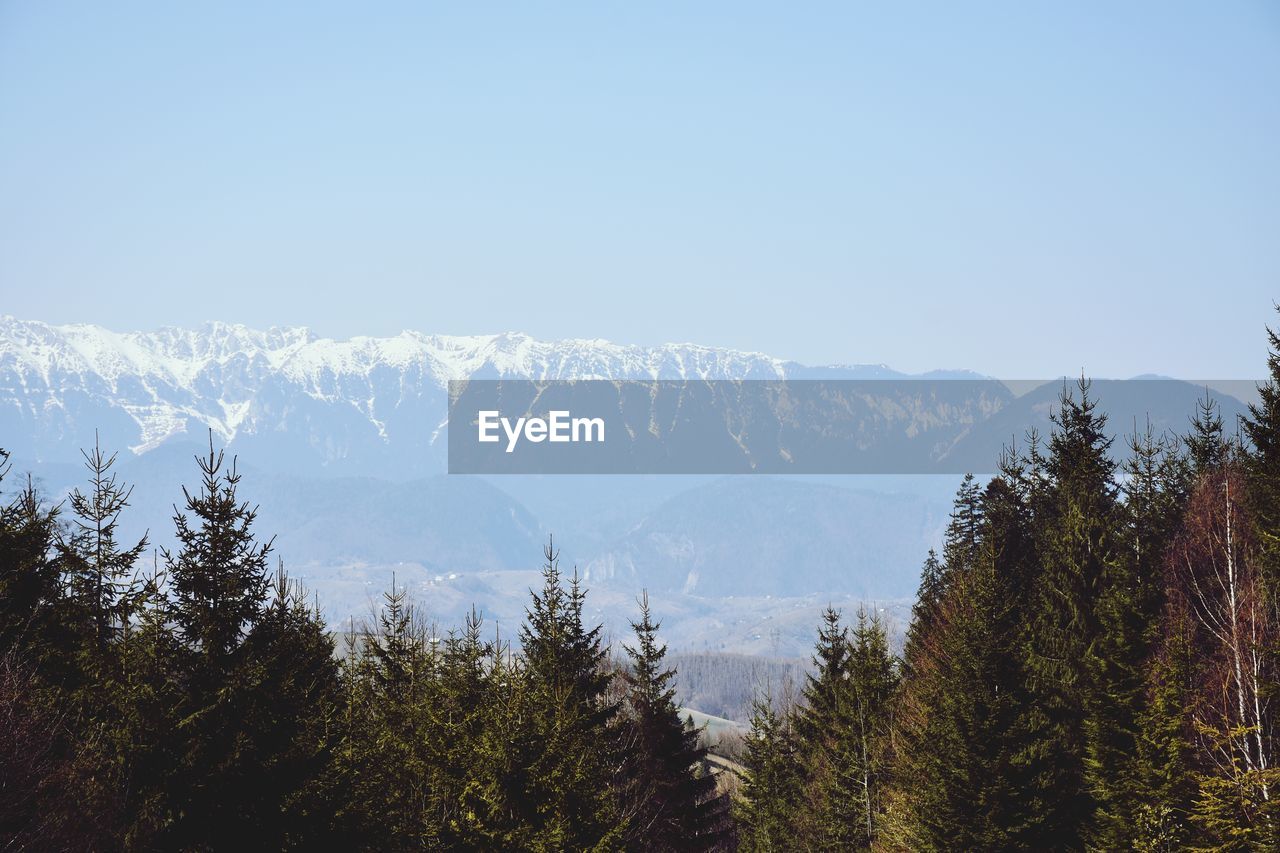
(1021, 188)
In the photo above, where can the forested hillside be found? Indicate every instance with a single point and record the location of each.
(1092, 663)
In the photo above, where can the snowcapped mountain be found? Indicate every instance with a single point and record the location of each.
(365, 405)
(344, 439)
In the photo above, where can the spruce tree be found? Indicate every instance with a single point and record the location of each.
(1163, 819)
(56, 788)
(290, 723)
(960, 543)
(153, 666)
(219, 580)
(1128, 610)
(961, 713)
(1262, 427)
(826, 687)
(100, 593)
(31, 619)
(1262, 469)
(51, 782)
(1075, 519)
(771, 787)
(1157, 491)
(924, 611)
(840, 728)
(461, 714)
(862, 771)
(827, 738)
(219, 574)
(1207, 446)
(668, 799)
(98, 571)
(960, 548)
(496, 809)
(567, 802)
(387, 757)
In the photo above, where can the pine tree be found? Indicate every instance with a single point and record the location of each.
(960, 549)
(960, 543)
(31, 622)
(100, 597)
(54, 780)
(862, 771)
(98, 572)
(219, 580)
(1128, 611)
(567, 802)
(771, 788)
(1207, 446)
(1075, 521)
(1262, 427)
(290, 723)
(154, 692)
(387, 757)
(1262, 470)
(495, 808)
(461, 715)
(961, 712)
(669, 794)
(220, 573)
(824, 696)
(924, 612)
(1162, 823)
(1160, 480)
(839, 729)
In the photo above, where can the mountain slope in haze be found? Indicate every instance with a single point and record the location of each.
(755, 536)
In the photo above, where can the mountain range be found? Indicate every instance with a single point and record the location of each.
(367, 406)
(343, 444)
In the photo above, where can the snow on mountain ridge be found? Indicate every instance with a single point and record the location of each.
(179, 356)
(365, 405)
(234, 379)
